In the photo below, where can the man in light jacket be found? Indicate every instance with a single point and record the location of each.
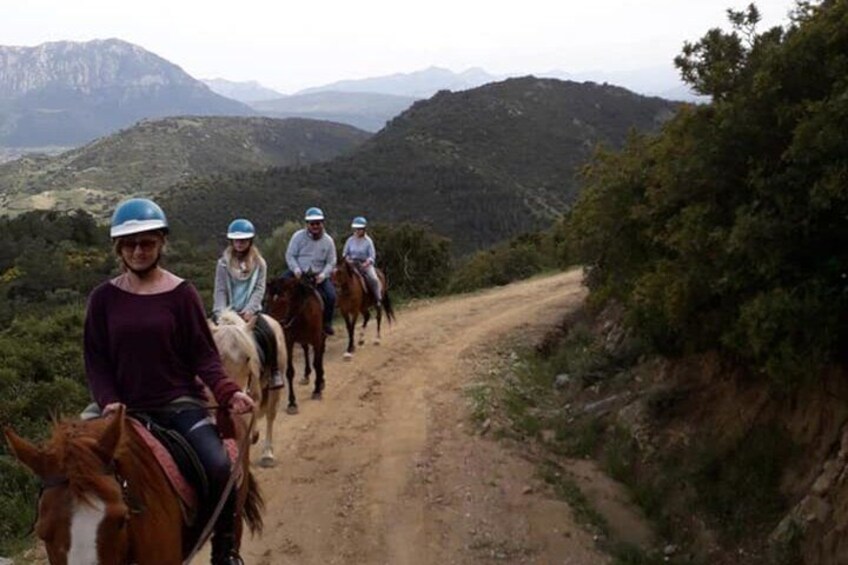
(312, 250)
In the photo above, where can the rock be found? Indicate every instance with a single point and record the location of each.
(527, 490)
(4, 561)
(548, 436)
(600, 406)
(669, 550)
(487, 423)
(562, 380)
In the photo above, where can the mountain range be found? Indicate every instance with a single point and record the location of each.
(243, 91)
(478, 166)
(68, 93)
(365, 110)
(156, 154)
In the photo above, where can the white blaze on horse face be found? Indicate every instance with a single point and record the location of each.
(84, 524)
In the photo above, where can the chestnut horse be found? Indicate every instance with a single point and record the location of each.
(296, 304)
(354, 299)
(240, 358)
(105, 499)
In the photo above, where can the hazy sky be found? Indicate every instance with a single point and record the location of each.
(289, 45)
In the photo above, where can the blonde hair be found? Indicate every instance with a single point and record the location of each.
(254, 258)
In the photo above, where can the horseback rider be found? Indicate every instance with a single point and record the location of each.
(312, 250)
(240, 277)
(359, 251)
(146, 341)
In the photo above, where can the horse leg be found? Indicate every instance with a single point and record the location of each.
(319, 370)
(350, 326)
(379, 323)
(365, 317)
(307, 369)
(292, 407)
(270, 412)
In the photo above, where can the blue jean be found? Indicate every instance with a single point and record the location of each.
(328, 294)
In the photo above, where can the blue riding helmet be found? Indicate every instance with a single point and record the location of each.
(137, 215)
(314, 214)
(241, 229)
(359, 222)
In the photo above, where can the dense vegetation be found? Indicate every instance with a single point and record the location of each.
(728, 230)
(478, 166)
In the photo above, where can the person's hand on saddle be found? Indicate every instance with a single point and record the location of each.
(111, 408)
(319, 278)
(247, 316)
(366, 263)
(297, 274)
(241, 403)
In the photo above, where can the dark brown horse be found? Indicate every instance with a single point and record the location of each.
(354, 298)
(105, 499)
(296, 304)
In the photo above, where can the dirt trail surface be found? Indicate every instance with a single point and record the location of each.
(387, 468)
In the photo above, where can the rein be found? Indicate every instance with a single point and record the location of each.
(207, 530)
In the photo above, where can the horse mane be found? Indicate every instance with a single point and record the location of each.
(232, 338)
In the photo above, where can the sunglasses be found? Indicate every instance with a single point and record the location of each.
(143, 244)
(319, 223)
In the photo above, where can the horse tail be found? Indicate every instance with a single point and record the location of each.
(254, 505)
(387, 307)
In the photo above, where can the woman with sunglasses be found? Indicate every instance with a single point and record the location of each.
(146, 340)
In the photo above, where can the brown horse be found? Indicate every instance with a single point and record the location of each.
(105, 499)
(296, 304)
(354, 299)
(240, 358)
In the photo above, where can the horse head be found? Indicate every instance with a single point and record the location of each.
(82, 510)
(286, 297)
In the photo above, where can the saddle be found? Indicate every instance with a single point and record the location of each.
(266, 341)
(357, 272)
(178, 461)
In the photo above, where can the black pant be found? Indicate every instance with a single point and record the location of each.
(195, 425)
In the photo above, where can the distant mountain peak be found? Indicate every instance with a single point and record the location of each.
(417, 84)
(69, 92)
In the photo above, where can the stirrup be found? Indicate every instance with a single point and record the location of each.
(276, 381)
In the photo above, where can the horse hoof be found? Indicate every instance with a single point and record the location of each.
(316, 396)
(376, 342)
(361, 342)
(292, 410)
(304, 381)
(267, 462)
(347, 356)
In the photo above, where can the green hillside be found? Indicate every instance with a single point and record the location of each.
(479, 166)
(156, 154)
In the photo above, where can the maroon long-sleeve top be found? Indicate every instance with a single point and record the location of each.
(144, 350)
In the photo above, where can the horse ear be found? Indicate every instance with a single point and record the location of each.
(112, 435)
(26, 452)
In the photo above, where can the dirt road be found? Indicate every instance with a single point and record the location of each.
(387, 468)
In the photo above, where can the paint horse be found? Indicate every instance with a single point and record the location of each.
(105, 499)
(240, 358)
(354, 298)
(296, 304)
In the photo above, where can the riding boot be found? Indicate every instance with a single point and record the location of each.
(223, 539)
(224, 550)
(276, 380)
